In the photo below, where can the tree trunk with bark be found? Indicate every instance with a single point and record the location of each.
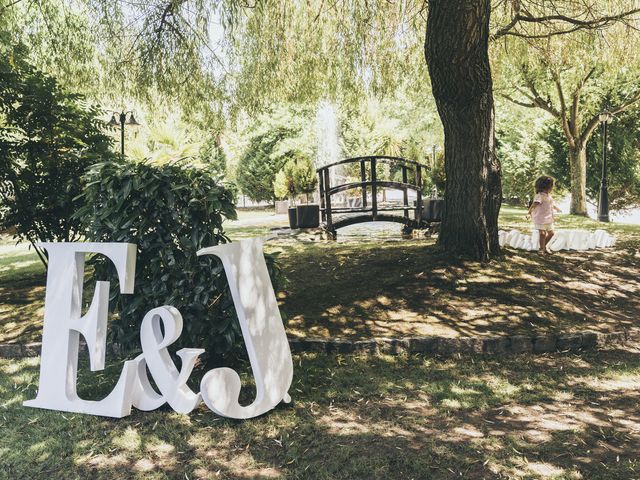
(578, 168)
(456, 49)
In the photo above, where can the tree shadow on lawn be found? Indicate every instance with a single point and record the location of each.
(22, 309)
(364, 290)
(572, 416)
(22, 280)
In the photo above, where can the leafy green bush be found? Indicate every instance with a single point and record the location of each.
(521, 151)
(521, 165)
(170, 212)
(48, 137)
(304, 176)
(296, 177)
(284, 185)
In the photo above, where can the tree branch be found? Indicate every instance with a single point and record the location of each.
(518, 102)
(626, 105)
(594, 23)
(41, 254)
(9, 5)
(550, 20)
(566, 126)
(535, 96)
(595, 120)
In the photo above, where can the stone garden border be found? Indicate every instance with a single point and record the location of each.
(514, 344)
(430, 345)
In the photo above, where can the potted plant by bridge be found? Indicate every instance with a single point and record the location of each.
(305, 181)
(284, 187)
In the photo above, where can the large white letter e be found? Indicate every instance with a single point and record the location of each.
(63, 325)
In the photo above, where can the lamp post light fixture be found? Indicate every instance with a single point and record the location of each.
(603, 201)
(122, 121)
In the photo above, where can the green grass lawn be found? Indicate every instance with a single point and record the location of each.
(254, 223)
(371, 286)
(563, 416)
(355, 417)
(22, 281)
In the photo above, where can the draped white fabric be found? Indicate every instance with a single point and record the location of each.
(562, 240)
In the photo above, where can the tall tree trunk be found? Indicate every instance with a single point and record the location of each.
(578, 168)
(456, 48)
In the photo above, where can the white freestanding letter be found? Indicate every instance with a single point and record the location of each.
(63, 326)
(263, 333)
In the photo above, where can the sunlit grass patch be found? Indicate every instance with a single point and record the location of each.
(353, 416)
(22, 268)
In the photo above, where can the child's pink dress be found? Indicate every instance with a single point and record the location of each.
(542, 215)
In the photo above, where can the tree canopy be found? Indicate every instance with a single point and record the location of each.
(223, 63)
(575, 79)
(48, 137)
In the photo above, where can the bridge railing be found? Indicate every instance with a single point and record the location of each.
(370, 182)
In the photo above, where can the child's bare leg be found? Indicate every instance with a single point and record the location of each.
(550, 234)
(543, 241)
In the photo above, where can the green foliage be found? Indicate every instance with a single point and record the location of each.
(170, 212)
(276, 137)
(48, 137)
(167, 139)
(164, 140)
(340, 50)
(519, 168)
(559, 158)
(296, 177)
(284, 184)
(258, 167)
(435, 177)
(521, 151)
(61, 39)
(304, 175)
(623, 160)
(399, 126)
(211, 153)
(117, 51)
(396, 126)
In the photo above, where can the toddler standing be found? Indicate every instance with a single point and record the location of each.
(541, 211)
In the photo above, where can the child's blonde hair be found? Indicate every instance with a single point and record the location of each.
(543, 183)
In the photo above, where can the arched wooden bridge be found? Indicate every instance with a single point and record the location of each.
(366, 208)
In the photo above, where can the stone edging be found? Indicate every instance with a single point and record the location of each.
(421, 345)
(478, 345)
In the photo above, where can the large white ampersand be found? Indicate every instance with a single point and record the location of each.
(171, 382)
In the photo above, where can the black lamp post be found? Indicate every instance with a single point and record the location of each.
(603, 203)
(122, 122)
